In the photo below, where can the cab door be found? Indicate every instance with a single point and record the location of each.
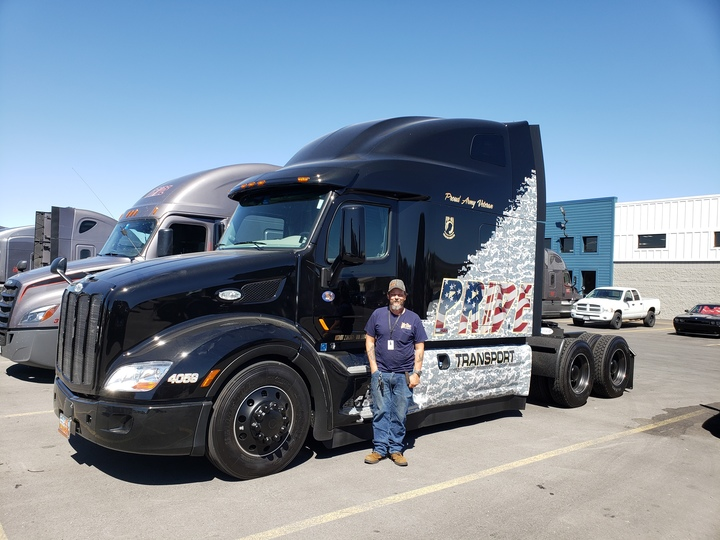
(339, 309)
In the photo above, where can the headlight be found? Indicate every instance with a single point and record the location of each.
(137, 377)
(39, 314)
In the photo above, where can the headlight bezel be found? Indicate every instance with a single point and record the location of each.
(38, 315)
(138, 377)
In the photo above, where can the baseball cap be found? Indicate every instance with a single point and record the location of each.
(397, 284)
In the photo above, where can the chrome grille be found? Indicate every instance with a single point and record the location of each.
(78, 338)
(7, 300)
(587, 308)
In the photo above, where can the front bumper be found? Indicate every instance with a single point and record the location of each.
(36, 347)
(176, 429)
(592, 317)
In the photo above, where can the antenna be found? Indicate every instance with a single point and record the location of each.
(91, 189)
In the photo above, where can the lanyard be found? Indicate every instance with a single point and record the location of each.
(391, 328)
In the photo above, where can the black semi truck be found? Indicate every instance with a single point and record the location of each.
(240, 353)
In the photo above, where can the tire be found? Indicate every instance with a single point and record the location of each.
(578, 322)
(590, 338)
(259, 421)
(611, 366)
(649, 319)
(540, 388)
(616, 321)
(575, 377)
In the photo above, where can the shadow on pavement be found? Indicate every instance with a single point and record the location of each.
(31, 374)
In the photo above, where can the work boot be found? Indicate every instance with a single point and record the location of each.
(373, 458)
(398, 459)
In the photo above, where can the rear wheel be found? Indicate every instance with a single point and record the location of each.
(616, 321)
(259, 422)
(649, 319)
(574, 382)
(611, 366)
(590, 338)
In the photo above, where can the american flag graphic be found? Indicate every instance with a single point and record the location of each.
(470, 317)
(449, 298)
(522, 313)
(492, 298)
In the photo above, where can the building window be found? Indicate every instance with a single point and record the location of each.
(717, 238)
(548, 242)
(567, 245)
(590, 244)
(651, 241)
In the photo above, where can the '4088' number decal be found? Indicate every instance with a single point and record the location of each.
(183, 378)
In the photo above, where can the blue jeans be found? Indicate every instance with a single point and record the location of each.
(390, 404)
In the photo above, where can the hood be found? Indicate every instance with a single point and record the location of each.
(75, 270)
(189, 273)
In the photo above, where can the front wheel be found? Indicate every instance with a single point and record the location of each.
(259, 421)
(616, 321)
(578, 322)
(574, 382)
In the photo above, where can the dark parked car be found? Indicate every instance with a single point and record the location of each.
(701, 319)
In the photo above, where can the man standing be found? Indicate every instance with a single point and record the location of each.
(395, 343)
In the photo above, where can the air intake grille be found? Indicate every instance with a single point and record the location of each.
(78, 339)
(261, 291)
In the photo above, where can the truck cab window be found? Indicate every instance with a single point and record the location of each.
(188, 238)
(86, 225)
(377, 219)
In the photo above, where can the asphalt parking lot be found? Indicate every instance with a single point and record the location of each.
(646, 465)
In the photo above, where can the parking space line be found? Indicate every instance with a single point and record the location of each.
(25, 414)
(434, 488)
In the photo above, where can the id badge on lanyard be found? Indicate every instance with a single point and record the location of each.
(391, 341)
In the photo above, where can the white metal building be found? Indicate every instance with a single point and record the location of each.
(669, 249)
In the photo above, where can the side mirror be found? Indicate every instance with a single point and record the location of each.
(352, 244)
(59, 267)
(21, 266)
(165, 242)
(352, 236)
(218, 231)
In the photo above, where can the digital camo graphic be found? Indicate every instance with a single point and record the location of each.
(493, 299)
(494, 296)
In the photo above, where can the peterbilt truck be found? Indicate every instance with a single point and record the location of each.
(184, 215)
(241, 353)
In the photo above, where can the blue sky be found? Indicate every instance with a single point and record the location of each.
(100, 101)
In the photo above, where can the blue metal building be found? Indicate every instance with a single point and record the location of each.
(583, 233)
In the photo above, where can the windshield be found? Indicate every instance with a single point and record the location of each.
(284, 220)
(605, 293)
(129, 238)
(706, 309)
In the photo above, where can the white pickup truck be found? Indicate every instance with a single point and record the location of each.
(613, 305)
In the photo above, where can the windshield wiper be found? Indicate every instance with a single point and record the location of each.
(255, 243)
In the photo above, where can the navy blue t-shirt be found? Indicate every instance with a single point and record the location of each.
(404, 330)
